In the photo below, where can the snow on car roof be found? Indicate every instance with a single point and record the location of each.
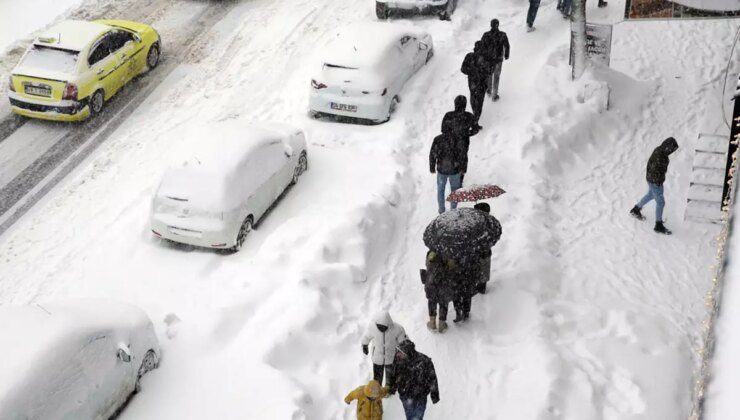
(214, 153)
(32, 335)
(72, 35)
(364, 44)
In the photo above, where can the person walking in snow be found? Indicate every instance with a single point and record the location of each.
(476, 68)
(657, 167)
(466, 287)
(369, 400)
(385, 336)
(448, 157)
(485, 262)
(495, 49)
(439, 285)
(534, 5)
(461, 125)
(415, 380)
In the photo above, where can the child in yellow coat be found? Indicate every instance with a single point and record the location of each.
(369, 400)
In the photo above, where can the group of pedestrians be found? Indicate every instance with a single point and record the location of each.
(405, 370)
(564, 7)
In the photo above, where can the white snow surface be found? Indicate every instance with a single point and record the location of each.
(19, 20)
(589, 314)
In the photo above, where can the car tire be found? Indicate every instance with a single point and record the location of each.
(152, 57)
(381, 10)
(241, 236)
(430, 54)
(150, 362)
(96, 102)
(300, 168)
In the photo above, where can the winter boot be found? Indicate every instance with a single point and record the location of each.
(635, 212)
(442, 326)
(659, 228)
(495, 98)
(530, 28)
(458, 317)
(603, 3)
(432, 324)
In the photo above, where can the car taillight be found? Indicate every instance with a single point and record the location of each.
(10, 84)
(384, 92)
(70, 92)
(317, 85)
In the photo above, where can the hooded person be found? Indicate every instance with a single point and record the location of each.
(385, 336)
(460, 125)
(657, 166)
(369, 400)
(416, 379)
(477, 69)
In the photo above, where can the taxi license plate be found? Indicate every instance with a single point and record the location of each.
(37, 90)
(343, 107)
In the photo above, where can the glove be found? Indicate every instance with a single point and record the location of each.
(432, 170)
(364, 348)
(435, 399)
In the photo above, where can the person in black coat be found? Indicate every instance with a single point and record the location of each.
(466, 286)
(495, 50)
(657, 167)
(448, 157)
(461, 125)
(415, 380)
(477, 69)
(439, 283)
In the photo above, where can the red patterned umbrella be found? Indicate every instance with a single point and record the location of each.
(475, 193)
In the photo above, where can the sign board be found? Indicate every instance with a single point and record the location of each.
(598, 43)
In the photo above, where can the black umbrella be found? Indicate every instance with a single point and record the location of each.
(462, 233)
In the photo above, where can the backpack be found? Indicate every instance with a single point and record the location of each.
(468, 64)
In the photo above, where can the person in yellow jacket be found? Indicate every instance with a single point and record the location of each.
(369, 400)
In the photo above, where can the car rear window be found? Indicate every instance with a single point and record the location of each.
(53, 59)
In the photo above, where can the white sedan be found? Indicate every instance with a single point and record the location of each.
(214, 197)
(77, 359)
(364, 69)
(443, 8)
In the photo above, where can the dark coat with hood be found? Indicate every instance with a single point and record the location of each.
(415, 375)
(657, 165)
(448, 155)
(476, 66)
(460, 123)
(442, 278)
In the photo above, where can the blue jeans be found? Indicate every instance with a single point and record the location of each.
(534, 5)
(655, 192)
(455, 183)
(414, 409)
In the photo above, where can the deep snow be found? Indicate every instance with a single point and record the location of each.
(591, 315)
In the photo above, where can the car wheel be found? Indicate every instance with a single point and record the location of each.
(152, 58)
(150, 362)
(300, 168)
(97, 101)
(394, 104)
(243, 232)
(430, 54)
(381, 10)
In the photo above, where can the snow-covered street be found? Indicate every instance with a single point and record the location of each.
(589, 314)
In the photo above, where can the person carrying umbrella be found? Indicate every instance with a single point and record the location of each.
(464, 235)
(485, 262)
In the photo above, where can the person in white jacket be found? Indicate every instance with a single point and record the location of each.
(386, 335)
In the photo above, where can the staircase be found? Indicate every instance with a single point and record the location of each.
(704, 200)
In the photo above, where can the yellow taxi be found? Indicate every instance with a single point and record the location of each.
(73, 68)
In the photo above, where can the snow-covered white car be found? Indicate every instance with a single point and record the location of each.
(364, 69)
(75, 359)
(442, 8)
(216, 195)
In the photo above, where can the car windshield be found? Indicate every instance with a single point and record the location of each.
(53, 59)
